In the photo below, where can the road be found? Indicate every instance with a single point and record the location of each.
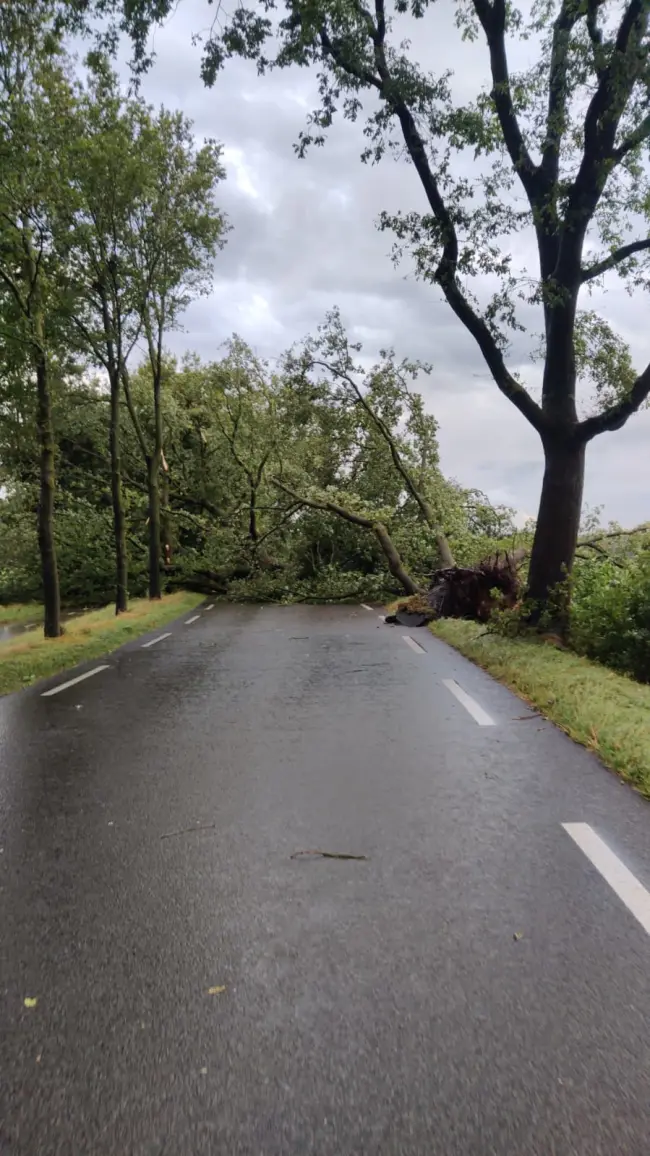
(476, 985)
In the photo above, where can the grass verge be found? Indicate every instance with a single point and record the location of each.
(31, 656)
(21, 612)
(604, 711)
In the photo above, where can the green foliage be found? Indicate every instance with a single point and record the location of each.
(610, 616)
(29, 656)
(558, 151)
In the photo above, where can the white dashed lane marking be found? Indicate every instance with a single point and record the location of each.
(153, 641)
(191, 620)
(620, 878)
(210, 607)
(73, 681)
(413, 644)
(365, 607)
(471, 706)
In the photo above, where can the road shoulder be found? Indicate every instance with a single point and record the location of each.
(606, 712)
(31, 657)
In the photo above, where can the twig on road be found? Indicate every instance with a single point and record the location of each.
(188, 830)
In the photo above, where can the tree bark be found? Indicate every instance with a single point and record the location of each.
(395, 564)
(165, 521)
(119, 519)
(558, 523)
(153, 480)
(46, 544)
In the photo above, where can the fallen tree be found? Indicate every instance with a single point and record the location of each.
(466, 591)
(390, 551)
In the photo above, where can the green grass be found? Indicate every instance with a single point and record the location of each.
(606, 712)
(21, 612)
(29, 657)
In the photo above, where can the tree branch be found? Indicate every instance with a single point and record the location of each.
(446, 272)
(601, 124)
(642, 529)
(615, 416)
(446, 556)
(493, 21)
(328, 507)
(595, 35)
(636, 138)
(445, 276)
(614, 259)
(395, 564)
(124, 374)
(557, 91)
(288, 515)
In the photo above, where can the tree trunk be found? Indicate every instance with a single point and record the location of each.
(252, 515)
(46, 545)
(556, 532)
(153, 480)
(395, 564)
(119, 519)
(165, 521)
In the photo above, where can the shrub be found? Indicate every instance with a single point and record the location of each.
(610, 615)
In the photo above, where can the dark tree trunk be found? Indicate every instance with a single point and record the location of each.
(119, 519)
(165, 521)
(155, 577)
(558, 523)
(46, 545)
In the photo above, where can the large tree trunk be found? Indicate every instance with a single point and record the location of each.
(119, 519)
(395, 564)
(46, 545)
(155, 577)
(558, 523)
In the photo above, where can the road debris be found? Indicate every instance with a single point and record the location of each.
(325, 855)
(189, 830)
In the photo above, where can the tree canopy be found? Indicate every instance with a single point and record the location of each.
(317, 475)
(559, 150)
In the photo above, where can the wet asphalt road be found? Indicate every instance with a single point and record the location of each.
(370, 1007)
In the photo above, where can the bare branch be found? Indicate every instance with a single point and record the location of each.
(558, 92)
(615, 416)
(126, 382)
(493, 20)
(636, 138)
(614, 259)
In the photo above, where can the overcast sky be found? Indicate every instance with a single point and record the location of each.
(304, 239)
